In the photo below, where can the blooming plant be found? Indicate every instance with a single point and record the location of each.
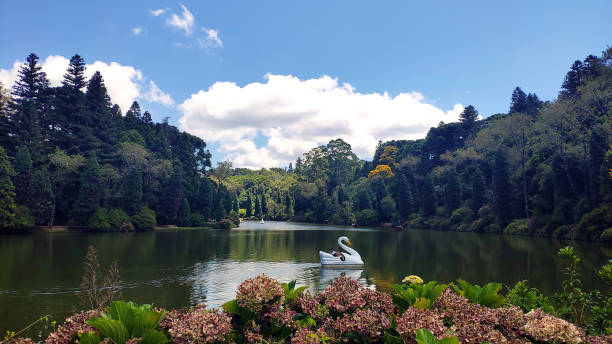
(412, 279)
(197, 326)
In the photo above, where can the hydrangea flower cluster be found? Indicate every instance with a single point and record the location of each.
(18, 340)
(197, 326)
(367, 323)
(73, 325)
(345, 294)
(415, 319)
(307, 336)
(261, 293)
(413, 279)
(546, 328)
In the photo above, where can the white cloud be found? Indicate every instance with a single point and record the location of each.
(296, 115)
(137, 30)
(211, 40)
(124, 83)
(184, 22)
(158, 12)
(155, 95)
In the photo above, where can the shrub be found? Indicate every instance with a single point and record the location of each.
(225, 224)
(126, 320)
(461, 215)
(23, 217)
(485, 296)
(197, 220)
(99, 220)
(261, 293)
(417, 295)
(197, 326)
(546, 328)
(517, 227)
(234, 218)
(118, 219)
(528, 298)
(592, 224)
(144, 219)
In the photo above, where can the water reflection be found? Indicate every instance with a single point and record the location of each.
(40, 273)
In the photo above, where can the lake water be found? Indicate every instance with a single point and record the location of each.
(41, 273)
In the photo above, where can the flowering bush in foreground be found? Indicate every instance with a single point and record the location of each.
(344, 312)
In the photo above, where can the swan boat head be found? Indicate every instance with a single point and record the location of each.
(351, 257)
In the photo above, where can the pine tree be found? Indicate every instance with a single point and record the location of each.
(75, 75)
(249, 206)
(453, 193)
(7, 191)
(405, 197)
(264, 204)
(90, 192)
(100, 110)
(257, 207)
(173, 196)
(468, 118)
(502, 188)
(519, 101)
(478, 190)
(428, 197)
(23, 173)
(42, 202)
(235, 206)
(219, 209)
(30, 96)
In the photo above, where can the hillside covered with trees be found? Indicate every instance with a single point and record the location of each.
(543, 168)
(69, 156)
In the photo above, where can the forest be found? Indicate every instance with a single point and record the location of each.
(70, 157)
(542, 169)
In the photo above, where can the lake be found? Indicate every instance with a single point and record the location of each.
(41, 273)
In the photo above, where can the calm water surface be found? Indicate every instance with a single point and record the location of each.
(40, 273)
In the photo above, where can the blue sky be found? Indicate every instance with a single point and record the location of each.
(264, 81)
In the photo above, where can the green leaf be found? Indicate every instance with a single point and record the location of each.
(151, 336)
(449, 340)
(291, 285)
(110, 328)
(425, 337)
(232, 307)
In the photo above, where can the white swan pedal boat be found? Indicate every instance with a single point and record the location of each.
(351, 257)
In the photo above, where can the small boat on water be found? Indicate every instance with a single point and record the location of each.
(262, 221)
(350, 258)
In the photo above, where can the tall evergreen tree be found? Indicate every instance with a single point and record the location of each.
(7, 191)
(468, 118)
(428, 197)
(90, 191)
(519, 101)
(405, 197)
(264, 204)
(218, 207)
(453, 193)
(235, 206)
(257, 206)
(478, 190)
(502, 188)
(100, 110)
(41, 197)
(249, 206)
(75, 75)
(28, 108)
(173, 196)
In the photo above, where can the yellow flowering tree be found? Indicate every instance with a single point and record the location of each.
(382, 171)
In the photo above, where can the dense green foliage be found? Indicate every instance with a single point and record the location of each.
(542, 169)
(70, 157)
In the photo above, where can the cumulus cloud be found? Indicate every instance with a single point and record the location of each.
(124, 83)
(183, 22)
(137, 30)
(296, 115)
(211, 39)
(158, 12)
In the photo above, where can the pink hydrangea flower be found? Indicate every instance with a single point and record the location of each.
(73, 325)
(546, 328)
(197, 326)
(261, 293)
(415, 319)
